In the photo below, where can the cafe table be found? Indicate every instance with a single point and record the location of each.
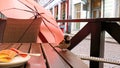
(51, 57)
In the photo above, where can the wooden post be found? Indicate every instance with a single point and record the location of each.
(97, 44)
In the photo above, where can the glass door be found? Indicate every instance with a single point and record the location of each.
(96, 8)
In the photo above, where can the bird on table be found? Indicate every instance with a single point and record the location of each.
(65, 43)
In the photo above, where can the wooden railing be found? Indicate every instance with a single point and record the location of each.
(96, 27)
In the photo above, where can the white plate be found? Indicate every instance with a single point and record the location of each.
(17, 61)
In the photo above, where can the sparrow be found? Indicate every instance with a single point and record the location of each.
(65, 43)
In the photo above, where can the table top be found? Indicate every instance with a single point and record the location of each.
(51, 57)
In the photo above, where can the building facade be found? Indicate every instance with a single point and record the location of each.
(82, 9)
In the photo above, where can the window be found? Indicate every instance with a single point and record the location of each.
(63, 7)
(96, 8)
(85, 5)
(56, 12)
(77, 10)
(77, 15)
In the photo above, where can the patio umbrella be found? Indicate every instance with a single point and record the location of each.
(29, 9)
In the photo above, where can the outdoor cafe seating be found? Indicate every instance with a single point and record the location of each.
(20, 30)
(50, 57)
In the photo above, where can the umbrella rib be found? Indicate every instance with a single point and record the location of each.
(36, 12)
(17, 9)
(30, 7)
(49, 29)
(49, 21)
(26, 5)
(41, 15)
(35, 8)
(26, 30)
(26, 11)
(23, 10)
(28, 2)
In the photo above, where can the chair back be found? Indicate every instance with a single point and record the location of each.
(21, 30)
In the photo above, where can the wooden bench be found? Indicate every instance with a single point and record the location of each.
(50, 57)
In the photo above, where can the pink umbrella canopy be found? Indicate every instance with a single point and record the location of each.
(29, 9)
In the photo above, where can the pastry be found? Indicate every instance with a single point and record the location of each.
(7, 55)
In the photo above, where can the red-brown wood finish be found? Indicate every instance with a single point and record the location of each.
(50, 56)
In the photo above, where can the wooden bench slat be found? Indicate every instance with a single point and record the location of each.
(71, 58)
(34, 62)
(4, 46)
(53, 59)
(15, 45)
(25, 47)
